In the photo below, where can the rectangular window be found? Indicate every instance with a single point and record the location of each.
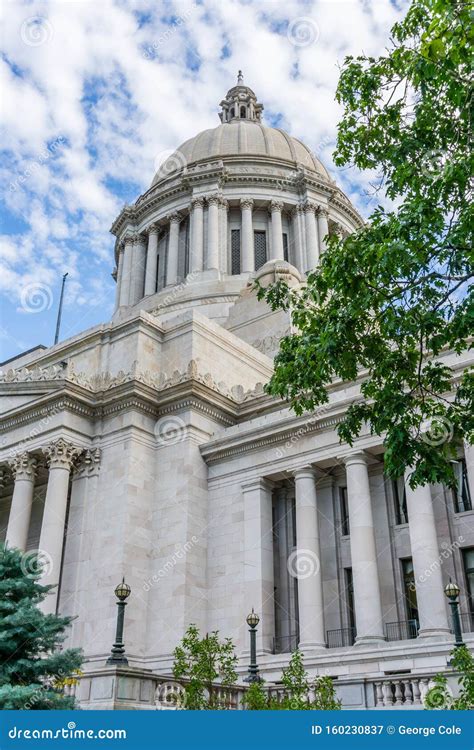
(349, 586)
(285, 247)
(400, 499)
(462, 495)
(409, 589)
(293, 520)
(157, 279)
(343, 504)
(186, 248)
(260, 246)
(235, 251)
(468, 562)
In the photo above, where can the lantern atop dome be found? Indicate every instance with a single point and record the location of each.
(240, 103)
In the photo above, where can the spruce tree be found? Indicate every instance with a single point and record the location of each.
(33, 668)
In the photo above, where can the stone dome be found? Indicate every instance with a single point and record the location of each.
(240, 137)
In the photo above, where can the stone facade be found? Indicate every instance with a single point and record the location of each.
(146, 447)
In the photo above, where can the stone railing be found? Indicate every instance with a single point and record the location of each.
(403, 691)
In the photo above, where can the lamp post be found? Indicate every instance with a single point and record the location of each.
(452, 592)
(252, 621)
(117, 655)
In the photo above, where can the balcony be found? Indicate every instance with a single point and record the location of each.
(403, 630)
(341, 638)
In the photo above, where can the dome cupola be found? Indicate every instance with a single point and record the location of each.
(240, 103)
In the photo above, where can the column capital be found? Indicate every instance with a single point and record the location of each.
(258, 483)
(61, 454)
(246, 203)
(323, 211)
(88, 464)
(197, 202)
(174, 218)
(128, 239)
(357, 457)
(24, 466)
(276, 206)
(153, 228)
(304, 471)
(213, 200)
(298, 209)
(309, 207)
(223, 203)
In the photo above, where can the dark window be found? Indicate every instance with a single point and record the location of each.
(400, 498)
(235, 251)
(468, 560)
(243, 112)
(157, 280)
(344, 511)
(232, 112)
(260, 244)
(349, 586)
(186, 248)
(285, 247)
(462, 495)
(409, 589)
(293, 520)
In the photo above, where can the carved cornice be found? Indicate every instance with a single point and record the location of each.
(24, 466)
(61, 454)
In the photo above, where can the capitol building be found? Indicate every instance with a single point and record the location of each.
(147, 448)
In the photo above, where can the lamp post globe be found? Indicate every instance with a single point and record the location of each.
(117, 654)
(252, 621)
(452, 591)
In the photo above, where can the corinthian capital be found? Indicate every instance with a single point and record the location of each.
(174, 218)
(276, 206)
(197, 202)
(213, 200)
(246, 203)
(89, 463)
(322, 211)
(23, 466)
(309, 207)
(61, 454)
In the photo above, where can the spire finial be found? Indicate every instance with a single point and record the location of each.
(240, 78)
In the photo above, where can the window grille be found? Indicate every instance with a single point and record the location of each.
(235, 251)
(260, 245)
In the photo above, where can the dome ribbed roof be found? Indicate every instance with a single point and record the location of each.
(240, 138)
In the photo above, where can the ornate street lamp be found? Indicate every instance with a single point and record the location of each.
(252, 621)
(452, 592)
(117, 655)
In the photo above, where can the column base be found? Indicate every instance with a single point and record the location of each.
(311, 646)
(370, 640)
(196, 277)
(438, 634)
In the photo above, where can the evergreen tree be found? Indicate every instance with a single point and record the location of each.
(33, 669)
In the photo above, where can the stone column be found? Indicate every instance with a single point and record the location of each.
(298, 239)
(126, 271)
(311, 236)
(151, 260)
(276, 208)
(367, 601)
(119, 277)
(248, 255)
(469, 456)
(138, 269)
(224, 255)
(323, 228)
(284, 617)
(23, 468)
(307, 569)
(60, 456)
(431, 600)
(258, 559)
(196, 259)
(173, 247)
(212, 258)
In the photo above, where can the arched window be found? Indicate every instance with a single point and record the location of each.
(243, 112)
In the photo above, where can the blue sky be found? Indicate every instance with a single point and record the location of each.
(97, 94)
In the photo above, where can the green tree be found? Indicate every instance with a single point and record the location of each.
(388, 299)
(33, 668)
(300, 694)
(203, 662)
(440, 697)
